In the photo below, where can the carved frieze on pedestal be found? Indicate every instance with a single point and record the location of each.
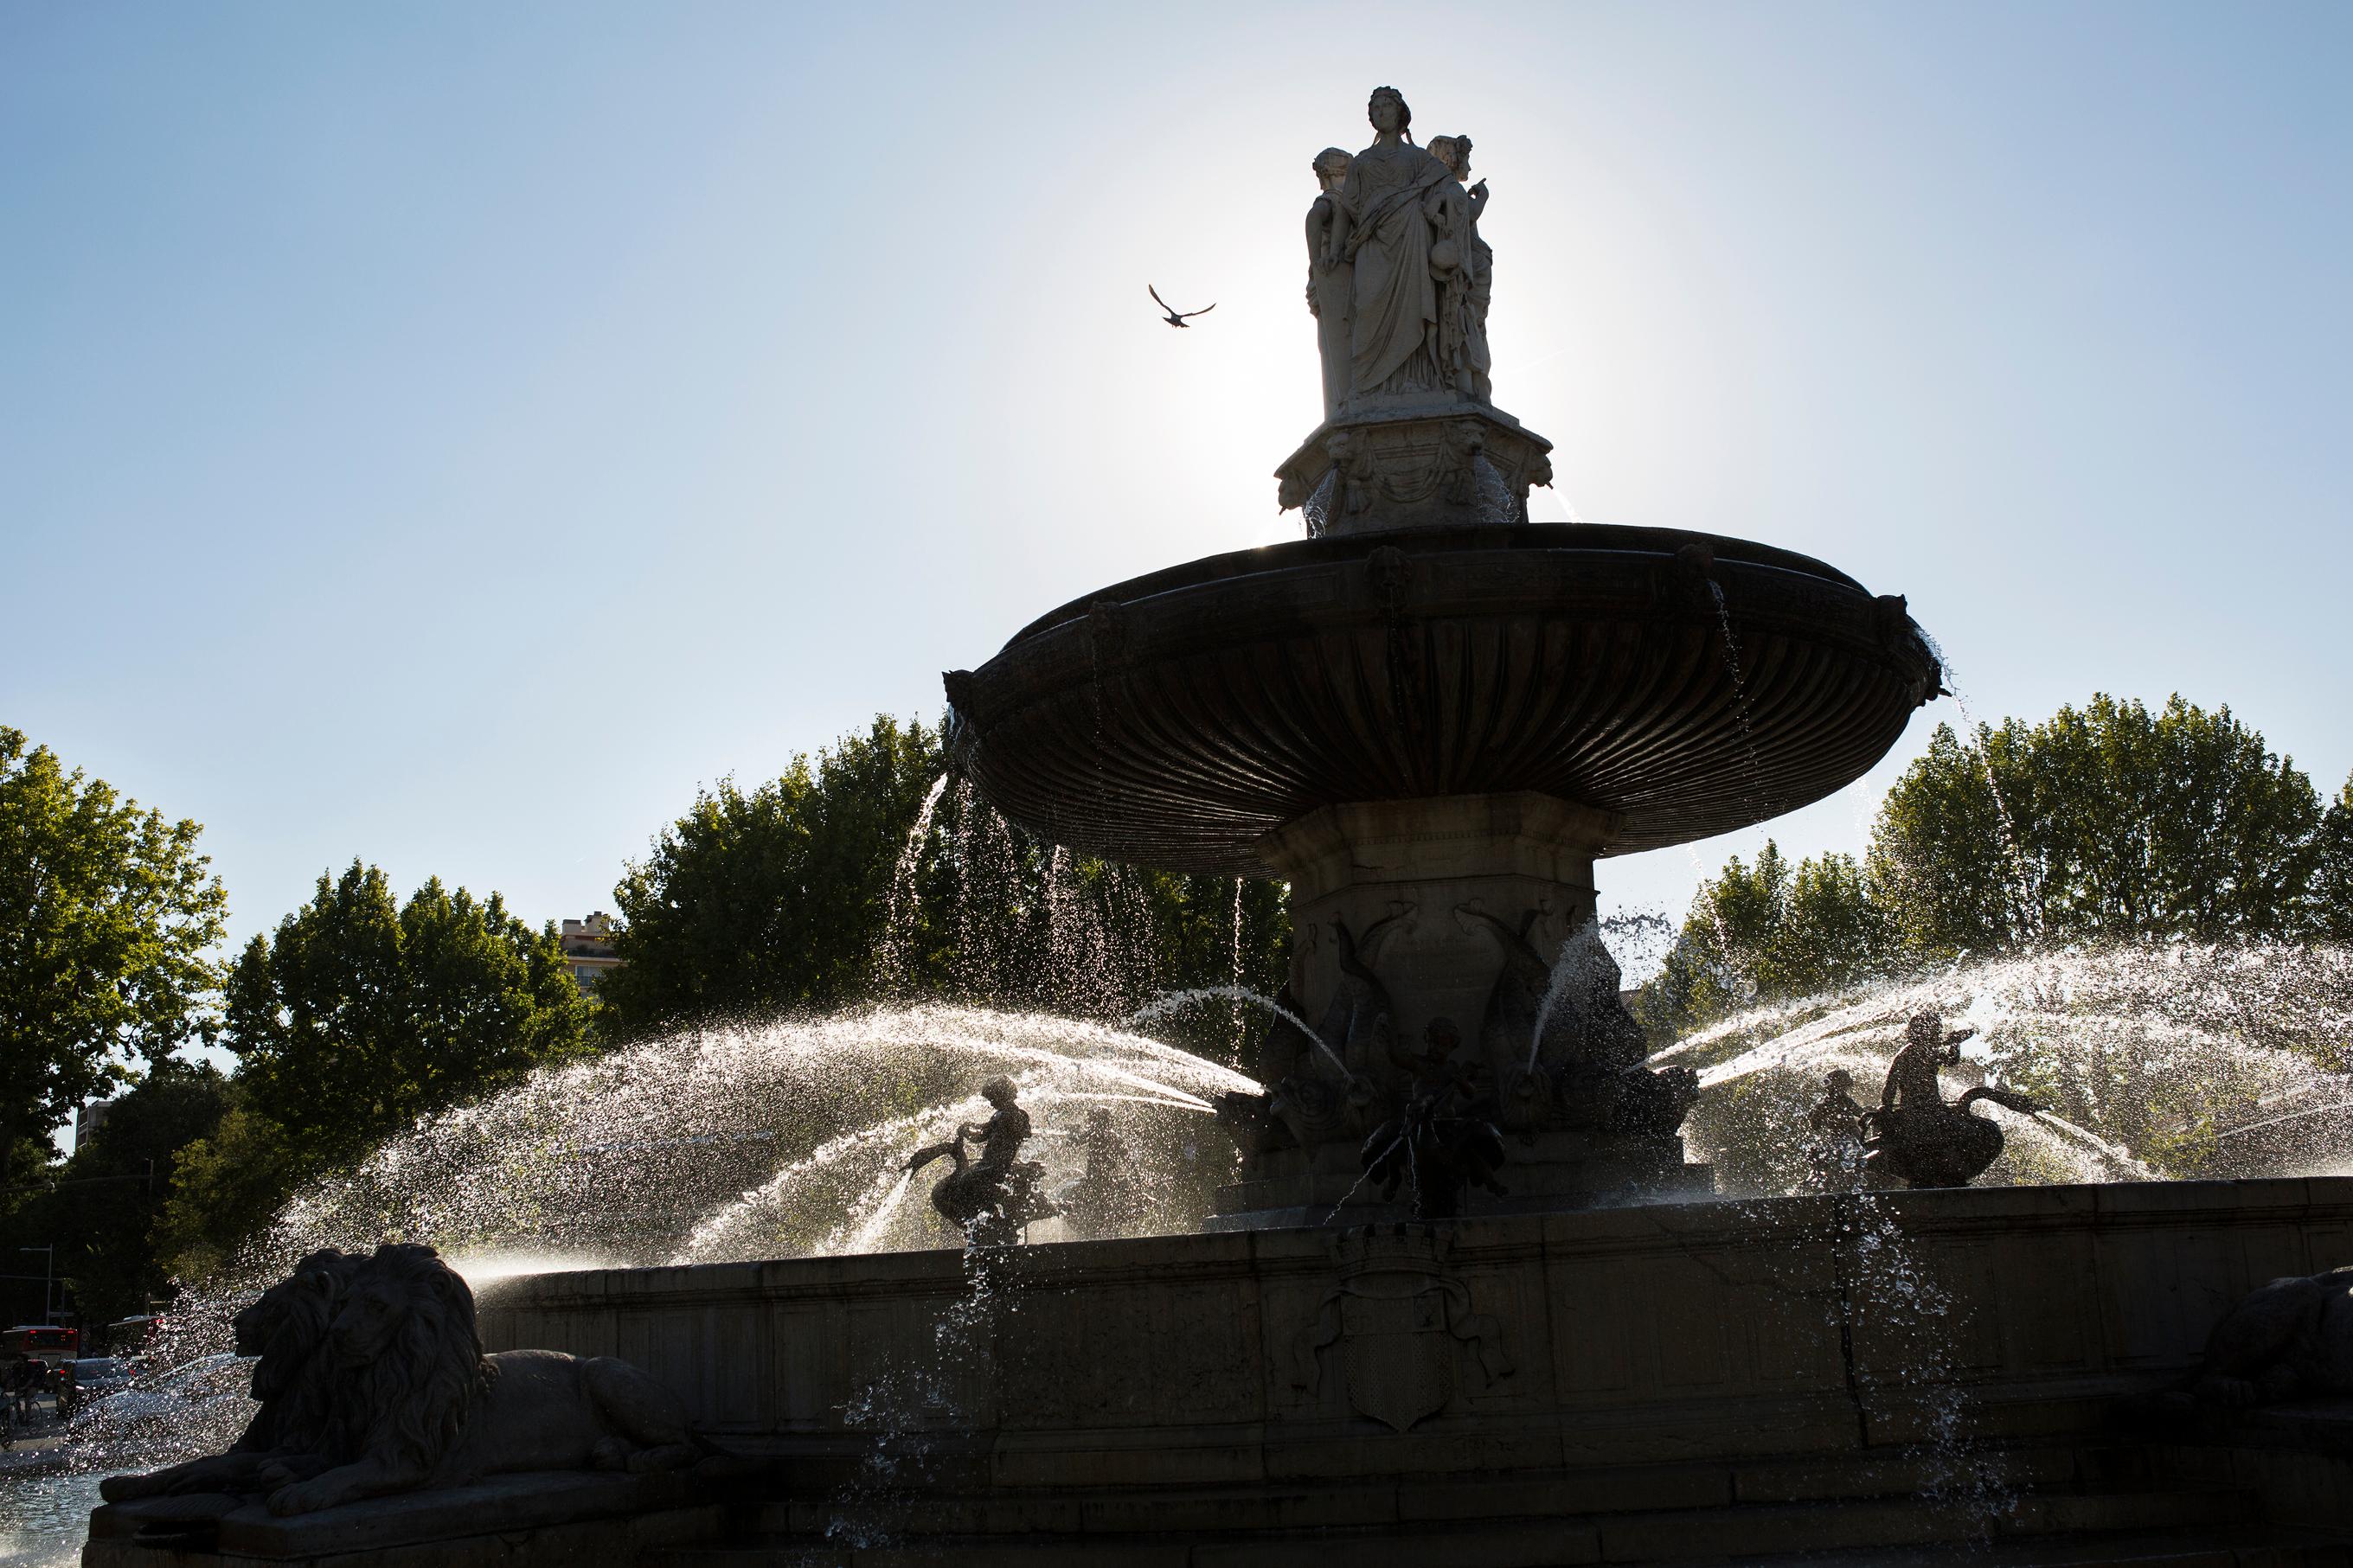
(1432, 463)
(1400, 1326)
(1452, 939)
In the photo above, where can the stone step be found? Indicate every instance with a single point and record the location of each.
(2137, 1548)
(1628, 1489)
(1740, 1532)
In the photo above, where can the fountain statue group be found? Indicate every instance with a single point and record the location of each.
(1399, 280)
(1915, 1136)
(1398, 277)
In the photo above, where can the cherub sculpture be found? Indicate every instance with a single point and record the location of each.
(993, 1199)
(1921, 1140)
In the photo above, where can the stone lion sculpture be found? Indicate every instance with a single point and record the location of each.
(286, 1327)
(2292, 1337)
(395, 1394)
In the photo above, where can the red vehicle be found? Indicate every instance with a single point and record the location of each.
(44, 1341)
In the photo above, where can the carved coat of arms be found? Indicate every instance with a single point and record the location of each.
(1403, 1325)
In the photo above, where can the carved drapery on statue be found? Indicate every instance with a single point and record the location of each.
(1395, 293)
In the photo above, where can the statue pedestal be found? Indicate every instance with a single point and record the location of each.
(1417, 885)
(1472, 910)
(1440, 461)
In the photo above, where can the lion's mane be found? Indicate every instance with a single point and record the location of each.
(409, 1405)
(294, 1382)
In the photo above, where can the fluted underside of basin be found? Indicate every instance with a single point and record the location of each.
(1174, 719)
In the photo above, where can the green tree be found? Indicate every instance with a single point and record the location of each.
(777, 896)
(106, 1201)
(106, 912)
(1765, 932)
(2327, 913)
(360, 1014)
(2110, 822)
(2104, 823)
(806, 893)
(225, 1188)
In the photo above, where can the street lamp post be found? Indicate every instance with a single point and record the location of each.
(49, 1276)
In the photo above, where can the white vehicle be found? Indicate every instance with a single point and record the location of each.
(199, 1407)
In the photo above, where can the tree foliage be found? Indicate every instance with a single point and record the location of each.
(2107, 822)
(107, 1197)
(357, 1016)
(2327, 913)
(1776, 928)
(806, 892)
(774, 896)
(225, 1188)
(106, 912)
(362, 1014)
(2110, 821)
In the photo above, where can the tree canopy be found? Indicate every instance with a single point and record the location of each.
(1774, 929)
(357, 1016)
(103, 1205)
(2101, 823)
(106, 913)
(361, 1013)
(771, 896)
(2109, 821)
(812, 891)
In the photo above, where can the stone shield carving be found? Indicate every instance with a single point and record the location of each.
(1403, 1324)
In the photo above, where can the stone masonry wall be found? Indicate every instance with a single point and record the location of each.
(1531, 1345)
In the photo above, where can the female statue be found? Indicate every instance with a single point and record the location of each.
(1328, 281)
(1465, 267)
(1386, 235)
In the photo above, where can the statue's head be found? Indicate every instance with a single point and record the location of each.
(1454, 151)
(997, 1091)
(1443, 1035)
(1387, 110)
(290, 1320)
(403, 1292)
(1839, 1080)
(1331, 167)
(1925, 1029)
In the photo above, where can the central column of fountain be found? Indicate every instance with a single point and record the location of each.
(1456, 928)
(1431, 717)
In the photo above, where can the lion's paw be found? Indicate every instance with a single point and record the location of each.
(2232, 1390)
(307, 1497)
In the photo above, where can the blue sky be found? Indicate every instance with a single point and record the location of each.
(446, 435)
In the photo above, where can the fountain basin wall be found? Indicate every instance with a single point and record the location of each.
(1724, 1336)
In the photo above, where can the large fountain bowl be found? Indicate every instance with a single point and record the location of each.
(1682, 684)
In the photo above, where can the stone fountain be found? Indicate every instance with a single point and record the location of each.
(1431, 718)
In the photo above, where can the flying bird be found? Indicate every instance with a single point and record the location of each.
(1176, 318)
